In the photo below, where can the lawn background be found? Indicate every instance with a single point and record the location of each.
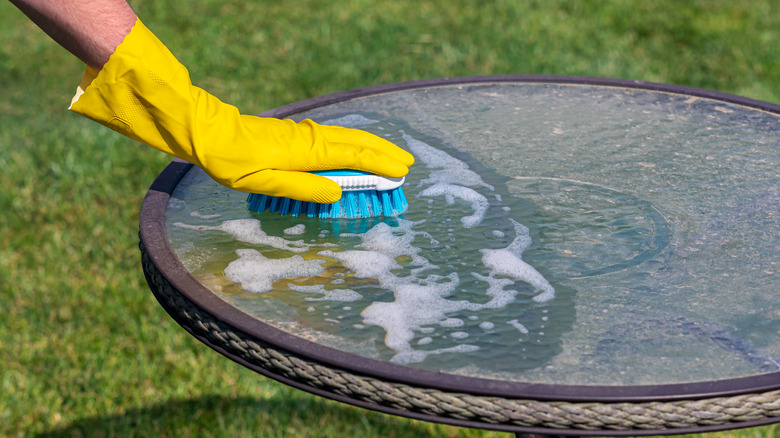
(85, 350)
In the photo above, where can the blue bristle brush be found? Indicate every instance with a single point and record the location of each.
(364, 195)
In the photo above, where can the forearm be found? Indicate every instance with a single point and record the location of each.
(91, 30)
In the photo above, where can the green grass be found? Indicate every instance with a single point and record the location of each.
(85, 350)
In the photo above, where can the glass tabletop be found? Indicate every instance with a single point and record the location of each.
(557, 234)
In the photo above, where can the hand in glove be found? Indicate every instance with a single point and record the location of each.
(144, 93)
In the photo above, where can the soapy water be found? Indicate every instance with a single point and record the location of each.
(458, 283)
(435, 295)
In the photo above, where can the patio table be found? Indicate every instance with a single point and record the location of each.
(581, 256)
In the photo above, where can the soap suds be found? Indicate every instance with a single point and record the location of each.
(396, 242)
(415, 306)
(251, 231)
(365, 264)
(422, 303)
(256, 273)
(424, 308)
(452, 170)
(478, 202)
(296, 229)
(520, 327)
(451, 179)
(343, 295)
(509, 262)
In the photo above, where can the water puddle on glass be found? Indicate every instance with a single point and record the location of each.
(587, 239)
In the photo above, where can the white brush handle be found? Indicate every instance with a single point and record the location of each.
(366, 182)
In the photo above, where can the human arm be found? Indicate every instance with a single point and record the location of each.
(90, 30)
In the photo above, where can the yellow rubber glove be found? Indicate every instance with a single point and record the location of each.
(144, 93)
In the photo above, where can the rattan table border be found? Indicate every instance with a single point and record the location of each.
(498, 413)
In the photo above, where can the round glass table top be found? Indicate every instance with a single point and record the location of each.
(557, 233)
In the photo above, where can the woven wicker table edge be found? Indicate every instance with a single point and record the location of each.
(477, 409)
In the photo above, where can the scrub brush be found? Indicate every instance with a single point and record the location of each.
(364, 195)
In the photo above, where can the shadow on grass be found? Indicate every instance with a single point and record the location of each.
(279, 416)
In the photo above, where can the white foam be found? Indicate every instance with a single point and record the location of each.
(430, 156)
(478, 202)
(452, 170)
(365, 264)
(520, 327)
(296, 229)
(487, 325)
(423, 302)
(499, 296)
(397, 242)
(508, 261)
(343, 295)
(251, 231)
(452, 322)
(416, 306)
(451, 179)
(311, 288)
(256, 273)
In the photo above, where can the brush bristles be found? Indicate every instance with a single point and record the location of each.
(353, 204)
